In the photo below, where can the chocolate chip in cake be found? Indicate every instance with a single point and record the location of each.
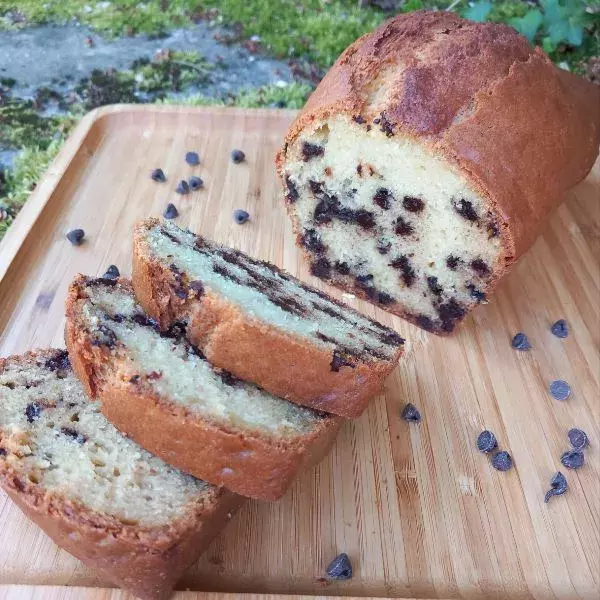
(3, 452)
(359, 169)
(560, 329)
(33, 412)
(316, 187)
(240, 216)
(560, 389)
(383, 198)
(195, 183)
(192, 158)
(158, 175)
(365, 282)
(492, 230)
(112, 272)
(74, 435)
(410, 413)
(311, 150)
(342, 267)
(434, 286)
(476, 294)
(403, 227)
(558, 486)
(480, 267)
(578, 438)
(425, 322)
(572, 459)
(408, 273)
(292, 194)
(465, 209)
(386, 125)
(171, 211)
(385, 298)
(340, 567)
(520, 342)
(450, 312)
(197, 287)
(75, 236)
(106, 337)
(452, 262)
(358, 119)
(59, 361)
(237, 156)
(412, 204)
(338, 360)
(383, 246)
(144, 321)
(183, 187)
(502, 461)
(228, 378)
(486, 441)
(311, 240)
(321, 267)
(365, 219)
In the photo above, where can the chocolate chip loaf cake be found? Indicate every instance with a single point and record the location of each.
(261, 323)
(428, 158)
(161, 391)
(96, 493)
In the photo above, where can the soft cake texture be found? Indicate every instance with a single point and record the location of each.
(315, 351)
(126, 356)
(69, 469)
(429, 157)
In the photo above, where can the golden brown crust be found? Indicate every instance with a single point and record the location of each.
(250, 464)
(295, 370)
(522, 130)
(146, 561)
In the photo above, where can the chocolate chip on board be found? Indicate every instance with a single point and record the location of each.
(158, 175)
(195, 183)
(171, 212)
(578, 438)
(486, 441)
(192, 158)
(240, 216)
(237, 156)
(520, 342)
(112, 272)
(75, 236)
(560, 389)
(558, 486)
(502, 461)
(183, 187)
(572, 459)
(340, 567)
(560, 329)
(410, 413)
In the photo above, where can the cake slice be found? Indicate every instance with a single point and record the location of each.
(161, 391)
(260, 323)
(428, 159)
(96, 493)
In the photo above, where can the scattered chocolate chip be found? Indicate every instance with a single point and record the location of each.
(74, 435)
(359, 169)
(383, 198)
(339, 567)
(195, 183)
(197, 287)
(358, 119)
(321, 267)
(342, 267)
(3, 452)
(412, 204)
(572, 459)
(450, 312)
(240, 216)
(112, 272)
(33, 412)
(558, 486)
(59, 361)
(560, 329)
(158, 175)
(408, 273)
(520, 342)
(383, 246)
(410, 413)
(578, 438)
(425, 322)
(486, 442)
(452, 262)
(311, 240)
(465, 209)
(75, 236)
(475, 293)
(560, 389)
(171, 211)
(480, 267)
(338, 361)
(183, 187)
(311, 150)
(365, 219)
(434, 286)
(501, 461)
(365, 282)
(387, 126)
(237, 156)
(385, 298)
(292, 194)
(403, 227)
(192, 158)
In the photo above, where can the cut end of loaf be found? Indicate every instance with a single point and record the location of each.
(391, 221)
(58, 445)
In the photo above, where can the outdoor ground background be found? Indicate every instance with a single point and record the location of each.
(61, 58)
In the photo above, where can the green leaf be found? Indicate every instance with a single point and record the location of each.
(529, 24)
(547, 45)
(575, 37)
(553, 11)
(479, 11)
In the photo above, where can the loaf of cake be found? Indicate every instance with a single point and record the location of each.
(96, 493)
(260, 323)
(428, 159)
(161, 391)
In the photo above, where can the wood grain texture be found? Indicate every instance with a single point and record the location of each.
(418, 509)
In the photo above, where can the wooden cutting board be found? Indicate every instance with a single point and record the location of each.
(419, 510)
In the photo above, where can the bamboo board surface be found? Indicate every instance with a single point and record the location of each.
(418, 509)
